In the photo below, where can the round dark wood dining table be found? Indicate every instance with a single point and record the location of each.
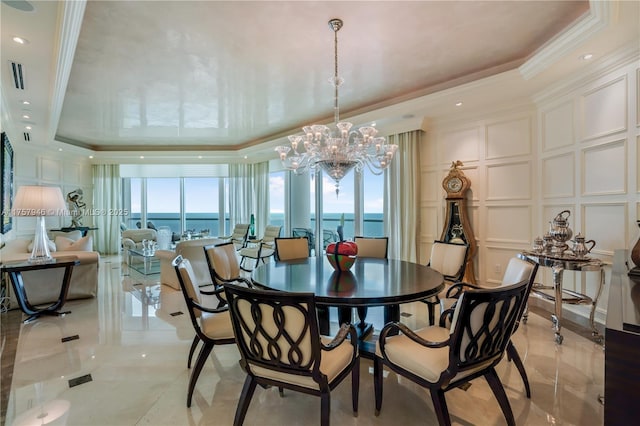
(370, 282)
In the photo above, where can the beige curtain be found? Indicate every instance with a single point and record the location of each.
(107, 199)
(261, 193)
(249, 194)
(401, 194)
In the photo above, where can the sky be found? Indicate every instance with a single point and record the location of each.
(202, 194)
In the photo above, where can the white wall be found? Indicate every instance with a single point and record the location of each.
(38, 165)
(574, 146)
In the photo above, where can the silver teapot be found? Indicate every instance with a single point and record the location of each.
(561, 232)
(579, 248)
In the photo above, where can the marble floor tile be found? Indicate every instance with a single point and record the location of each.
(135, 353)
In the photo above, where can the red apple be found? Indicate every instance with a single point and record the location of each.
(348, 248)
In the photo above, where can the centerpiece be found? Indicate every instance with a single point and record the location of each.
(342, 254)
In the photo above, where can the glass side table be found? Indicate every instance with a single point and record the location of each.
(558, 265)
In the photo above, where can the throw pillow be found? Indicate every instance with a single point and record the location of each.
(51, 244)
(67, 244)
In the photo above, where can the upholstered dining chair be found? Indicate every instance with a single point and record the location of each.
(291, 248)
(239, 235)
(280, 345)
(517, 270)
(212, 325)
(261, 249)
(441, 359)
(450, 260)
(372, 248)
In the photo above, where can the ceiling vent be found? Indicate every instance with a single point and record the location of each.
(18, 77)
(27, 137)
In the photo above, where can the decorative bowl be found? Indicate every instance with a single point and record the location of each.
(341, 262)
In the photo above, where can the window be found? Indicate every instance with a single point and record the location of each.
(276, 198)
(201, 205)
(334, 207)
(163, 202)
(373, 204)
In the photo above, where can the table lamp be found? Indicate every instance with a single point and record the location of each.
(39, 201)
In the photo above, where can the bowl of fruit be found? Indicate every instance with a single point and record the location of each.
(342, 255)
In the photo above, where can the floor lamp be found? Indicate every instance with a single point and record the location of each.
(38, 202)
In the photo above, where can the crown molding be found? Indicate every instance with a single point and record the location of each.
(598, 18)
(70, 17)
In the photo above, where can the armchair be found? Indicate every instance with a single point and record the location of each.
(239, 235)
(517, 270)
(260, 249)
(212, 325)
(441, 359)
(280, 345)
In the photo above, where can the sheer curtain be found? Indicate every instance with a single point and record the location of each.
(402, 194)
(249, 194)
(107, 199)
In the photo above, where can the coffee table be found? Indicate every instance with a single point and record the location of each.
(143, 261)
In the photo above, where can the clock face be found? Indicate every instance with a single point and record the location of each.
(454, 184)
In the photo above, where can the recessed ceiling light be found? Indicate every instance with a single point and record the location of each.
(26, 103)
(586, 56)
(27, 127)
(26, 116)
(142, 156)
(200, 156)
(20, 40)
(245, 157)
(91, 156)
(458, 103)
(60, 149)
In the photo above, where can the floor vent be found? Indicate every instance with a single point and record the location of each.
(18, 78)
(27, 137)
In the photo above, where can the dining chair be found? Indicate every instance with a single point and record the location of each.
(261, 249)
(212, 325)
(373, 248)
(280, 345)
(441, 359)
(450, 260)
(291, 248)
(517, 270)
(305, 232)
(239, 235)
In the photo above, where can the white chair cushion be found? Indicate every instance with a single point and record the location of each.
(428, 363)
(332, 363)
(216, 326)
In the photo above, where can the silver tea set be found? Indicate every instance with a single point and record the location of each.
(554, 242)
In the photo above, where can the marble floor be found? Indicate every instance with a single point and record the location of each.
(127, 366)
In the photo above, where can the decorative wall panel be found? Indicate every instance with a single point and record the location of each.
(558, 176)
(71, 172)
(605, 169)
(473, 174)
(460, 145)
(509, 224)
(607, 225)
(497, 259)
(50, 170)
(558, 127)
(509, 181)
(430, 186)
(509, 139)
(604, 110)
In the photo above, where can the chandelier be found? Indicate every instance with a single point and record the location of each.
(341, 151)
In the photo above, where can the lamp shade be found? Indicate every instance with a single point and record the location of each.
(32, 200)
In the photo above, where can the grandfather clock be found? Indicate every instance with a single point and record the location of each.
(457, 228)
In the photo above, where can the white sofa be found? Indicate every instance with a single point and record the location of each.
(132, 238)
(189, 249)
(39, 285)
